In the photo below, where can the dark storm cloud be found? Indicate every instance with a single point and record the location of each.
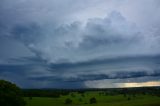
(120, 75)
(35, 70)
(103, 69)
(78, 73)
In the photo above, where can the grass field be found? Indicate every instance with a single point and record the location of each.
(102, 100)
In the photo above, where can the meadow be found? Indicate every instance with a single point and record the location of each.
(102, 98)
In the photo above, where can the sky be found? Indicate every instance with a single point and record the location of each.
(80, 43)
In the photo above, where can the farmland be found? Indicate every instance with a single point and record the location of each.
(102, 98)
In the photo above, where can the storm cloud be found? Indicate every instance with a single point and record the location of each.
(78, 41)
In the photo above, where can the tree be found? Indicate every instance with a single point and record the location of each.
(128, 98)
(93, 100)
(80, 99)
(72, 94)
(10, 94)
(68, 101)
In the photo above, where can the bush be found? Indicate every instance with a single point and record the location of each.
(10, 94)
(30, 98)
(93, 100)
(128, 98)
(68, 101)
(82, 95)
(72, 94)
(80, 99)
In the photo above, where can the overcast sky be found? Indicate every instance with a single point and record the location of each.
(80, 43)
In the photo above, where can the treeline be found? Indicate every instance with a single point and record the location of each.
(155, 91)
(44, 93)
(111, 91)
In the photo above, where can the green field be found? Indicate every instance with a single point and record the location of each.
(102, 100)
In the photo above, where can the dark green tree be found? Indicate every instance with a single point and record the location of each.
(93, 100)
(68, 101)
(10, 94)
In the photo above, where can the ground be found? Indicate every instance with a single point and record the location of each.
(102, 100)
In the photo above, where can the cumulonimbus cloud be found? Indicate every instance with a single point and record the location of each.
(89, 40)
(52, 35)
(98, 38)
